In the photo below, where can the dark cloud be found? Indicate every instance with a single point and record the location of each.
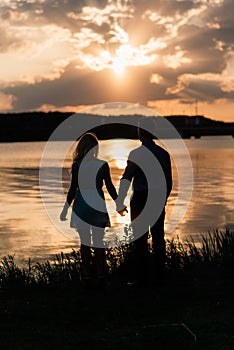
(196, 38)
(206, 91)
(200, 46)
(87, 87)
(50, 12)
(164, 7)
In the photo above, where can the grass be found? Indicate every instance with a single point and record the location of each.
(45, 306)
(214, 253)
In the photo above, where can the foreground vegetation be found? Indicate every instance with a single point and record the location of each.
(45, 305)
(212, 255)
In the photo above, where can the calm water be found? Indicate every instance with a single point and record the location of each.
(27, 231)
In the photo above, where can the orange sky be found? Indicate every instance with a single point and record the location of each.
(175, 56)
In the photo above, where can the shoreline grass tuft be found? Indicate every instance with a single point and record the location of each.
(213, 254)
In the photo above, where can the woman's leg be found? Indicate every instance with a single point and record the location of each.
(99, 251)
(85, 250)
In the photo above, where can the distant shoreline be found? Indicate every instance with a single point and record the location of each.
(38, 126)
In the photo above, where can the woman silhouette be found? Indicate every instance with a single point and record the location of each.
(89, 214)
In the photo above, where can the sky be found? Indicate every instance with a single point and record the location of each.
(173, 56)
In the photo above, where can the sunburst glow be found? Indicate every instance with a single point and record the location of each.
(118, 41)
(124, 55)
(127, 56)
(118, 66)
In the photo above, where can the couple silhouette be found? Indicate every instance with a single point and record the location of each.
(149, 170)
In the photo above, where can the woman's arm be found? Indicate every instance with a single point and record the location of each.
(71, 192)
(111, 188)
(108, 182)
(74, 184)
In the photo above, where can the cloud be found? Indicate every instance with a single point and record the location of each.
(198, 87)
(73, 52)
(111, 13)
(6, 102)
(85, 87)
(156, 78)
(53, 108)
(207, 86)
(176, 60)
(37, 54)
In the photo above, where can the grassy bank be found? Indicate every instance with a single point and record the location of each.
(45, 306)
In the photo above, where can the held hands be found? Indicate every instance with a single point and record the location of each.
(123, 211)
(120, 207)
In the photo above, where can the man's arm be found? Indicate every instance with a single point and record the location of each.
(168, 176)
(124, 185)
(122, 193)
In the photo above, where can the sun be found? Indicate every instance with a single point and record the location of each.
(122, 59)
(118, 66)
(129, 56)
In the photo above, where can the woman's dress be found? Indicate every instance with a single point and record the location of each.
(89, 207)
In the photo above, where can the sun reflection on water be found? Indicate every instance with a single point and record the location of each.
(26, 230)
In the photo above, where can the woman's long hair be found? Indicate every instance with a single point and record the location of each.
(86, 143)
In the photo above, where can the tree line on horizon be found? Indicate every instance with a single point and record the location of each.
(38, 126)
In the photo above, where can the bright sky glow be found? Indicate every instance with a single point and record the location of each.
(54, 53)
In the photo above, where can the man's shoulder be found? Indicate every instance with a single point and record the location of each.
(141, 152)
(157, 149)
(101, 163)
(154, 147)
(136, 152)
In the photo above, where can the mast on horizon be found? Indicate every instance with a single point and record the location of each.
(196, 107)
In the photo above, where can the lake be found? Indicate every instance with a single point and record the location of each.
(26, 230)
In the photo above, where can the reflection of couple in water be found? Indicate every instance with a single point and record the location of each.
(89, 214)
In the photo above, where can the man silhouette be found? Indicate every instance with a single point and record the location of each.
(149, 170)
